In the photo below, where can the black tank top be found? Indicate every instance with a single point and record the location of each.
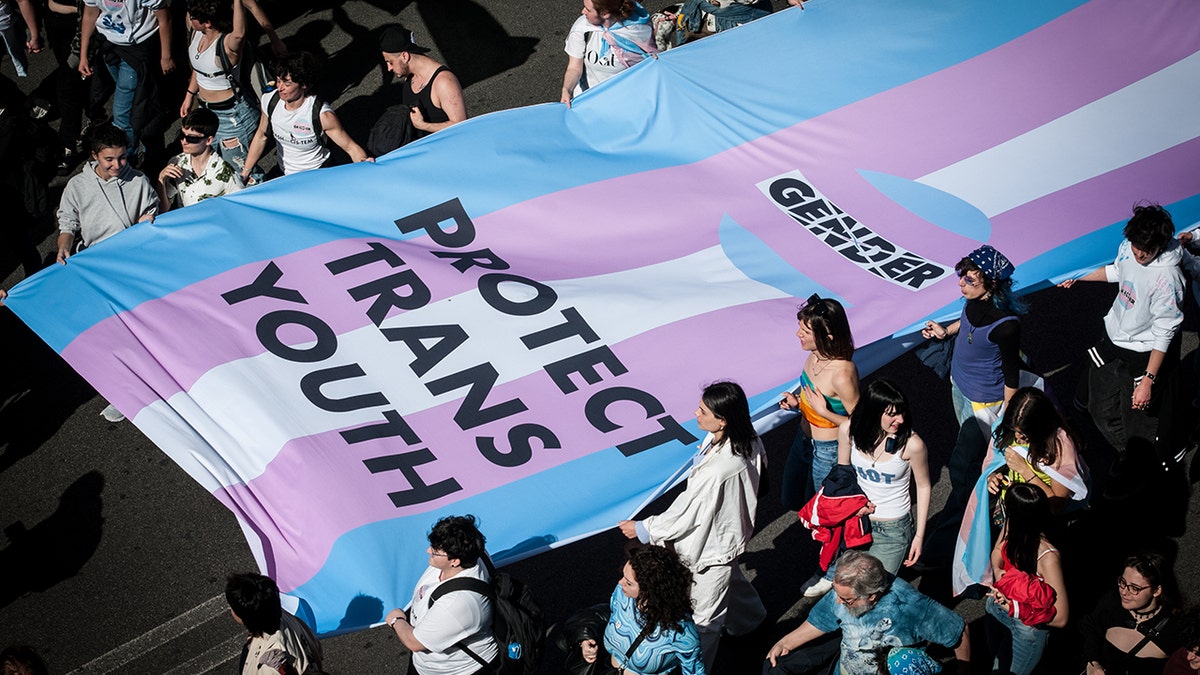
(423, 101)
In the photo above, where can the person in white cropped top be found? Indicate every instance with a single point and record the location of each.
(889, 457)
(212, 85)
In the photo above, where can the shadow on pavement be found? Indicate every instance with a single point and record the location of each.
(38, 391)
(55, 549)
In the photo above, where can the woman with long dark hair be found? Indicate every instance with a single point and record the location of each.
(827, 395)
(889, 457)
(650, 630)
(1136, 625)
(1031, 444)
(1039, 448)
(1029, 595)
(711, 522)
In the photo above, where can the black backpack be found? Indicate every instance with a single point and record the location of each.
(250, 78)
(318, 128)
(516, 620)
(393, 130)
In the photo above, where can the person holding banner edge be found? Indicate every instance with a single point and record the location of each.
(438, 633)
(711, 522)
(610, 37)
(985, 372)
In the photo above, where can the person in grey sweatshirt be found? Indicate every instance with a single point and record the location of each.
(106, 197)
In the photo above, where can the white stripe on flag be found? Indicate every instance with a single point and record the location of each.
(1151, 115)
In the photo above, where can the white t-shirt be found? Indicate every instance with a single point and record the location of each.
(126, 22)
(458, 615)
(584, 42)
(301, 148)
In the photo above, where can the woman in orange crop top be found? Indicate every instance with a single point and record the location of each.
(827, 395)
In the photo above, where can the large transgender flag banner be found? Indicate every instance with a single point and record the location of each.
(514, 318)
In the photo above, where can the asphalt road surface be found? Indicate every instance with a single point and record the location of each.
(113, 560)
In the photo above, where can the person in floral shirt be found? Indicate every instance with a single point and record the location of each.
(198, 172)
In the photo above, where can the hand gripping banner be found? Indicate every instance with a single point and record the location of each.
(515, 316)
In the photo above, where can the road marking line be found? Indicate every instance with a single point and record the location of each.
(223, 653)
(196, 616)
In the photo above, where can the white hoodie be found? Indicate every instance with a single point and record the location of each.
(1145, 315)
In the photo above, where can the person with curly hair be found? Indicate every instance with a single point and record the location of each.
(214, 87)
(711, 522)
(454, 635)
(1126, 370)
(650, 630)
(299, 122)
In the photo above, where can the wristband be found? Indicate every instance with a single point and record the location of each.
(192, 93)
(1153, 378)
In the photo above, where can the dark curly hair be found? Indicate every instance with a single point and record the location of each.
(216, 12)
(301, 68)
(1151, 228)
(107, 136)
(664, 587)
(458, 537)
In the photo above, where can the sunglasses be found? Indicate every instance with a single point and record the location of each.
(186, 138)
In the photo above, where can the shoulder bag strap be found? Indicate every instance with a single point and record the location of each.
(465, 584)
(226, 66)
(633, 647)
(1150, 635)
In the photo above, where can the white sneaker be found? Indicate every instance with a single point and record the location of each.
(818, 589)
(112, 414)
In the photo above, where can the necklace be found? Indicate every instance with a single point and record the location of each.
(206, 42)
(1139, 617)
(820, 365)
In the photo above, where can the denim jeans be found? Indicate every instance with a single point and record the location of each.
(1017, 647)
(891, 539)
(808, 463)
(236, 130)
(126, 80)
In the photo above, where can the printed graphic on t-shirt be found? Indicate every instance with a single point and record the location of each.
(875, 476)
(1125, 296)
(112, 19)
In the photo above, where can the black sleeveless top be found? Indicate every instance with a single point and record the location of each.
(423, 101)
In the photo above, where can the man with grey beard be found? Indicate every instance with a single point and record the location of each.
(875, 612)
